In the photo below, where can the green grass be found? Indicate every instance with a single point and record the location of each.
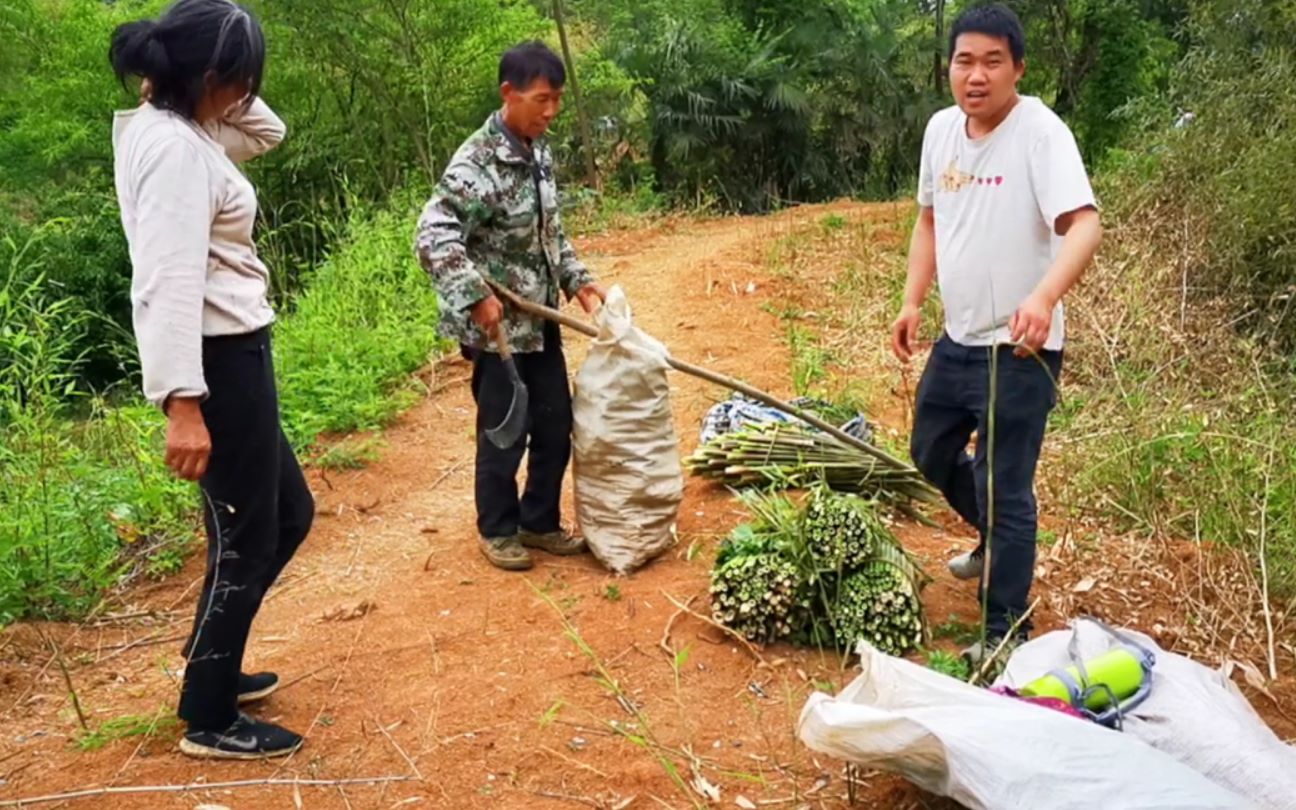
(86, 502)
(948, 664)
(833, 222)
(84, 506)
(586, 211)
(551, 714)
(366, 321)
(1171, 472)
(349, 454)
(957, 631)
(809, 361)
(159, 725)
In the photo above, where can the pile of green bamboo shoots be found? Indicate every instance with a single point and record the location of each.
(825, 571)
(792, 456)
(880, 605)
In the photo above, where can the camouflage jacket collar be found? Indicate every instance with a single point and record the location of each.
(509, 148)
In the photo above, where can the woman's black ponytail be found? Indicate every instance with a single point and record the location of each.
(135, 51)
(192, 40)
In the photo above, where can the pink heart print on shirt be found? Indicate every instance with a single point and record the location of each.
(999, 180)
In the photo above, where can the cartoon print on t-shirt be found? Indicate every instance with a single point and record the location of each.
(954, 180)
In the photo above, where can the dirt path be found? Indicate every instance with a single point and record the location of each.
(463, 678)
(459, 676)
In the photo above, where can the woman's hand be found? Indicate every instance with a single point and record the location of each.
(188, 444)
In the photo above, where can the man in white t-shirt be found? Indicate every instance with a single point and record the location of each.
(1007, 223)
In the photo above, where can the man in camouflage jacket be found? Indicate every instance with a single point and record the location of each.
(495, 215)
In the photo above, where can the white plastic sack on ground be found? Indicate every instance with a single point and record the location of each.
(626, 463)
(988, 751)
(1194, 714)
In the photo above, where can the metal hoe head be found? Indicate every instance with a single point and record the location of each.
(506, 433)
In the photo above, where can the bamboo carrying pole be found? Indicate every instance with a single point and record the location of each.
(548, 313)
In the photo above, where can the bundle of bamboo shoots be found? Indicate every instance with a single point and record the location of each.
(787, 455)
(823, 570)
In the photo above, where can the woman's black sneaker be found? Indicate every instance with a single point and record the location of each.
(247, 738)
(256, 687)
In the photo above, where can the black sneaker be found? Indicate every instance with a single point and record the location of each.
(247, 738)
(255, 687)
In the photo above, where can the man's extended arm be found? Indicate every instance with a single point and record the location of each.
(441, 243)
(575, 278)
(922, 272)
(1081, 232)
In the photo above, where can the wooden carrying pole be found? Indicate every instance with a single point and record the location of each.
(550, 314)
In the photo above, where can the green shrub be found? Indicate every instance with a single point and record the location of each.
(84, 506)
(57, 96)
(367, 321)
(1184, 429)
(85, 498)
(74, 493)
(1217, 192)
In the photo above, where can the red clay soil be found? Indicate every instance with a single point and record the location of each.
(409, 656)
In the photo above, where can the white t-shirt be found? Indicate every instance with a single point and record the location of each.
(996, 200)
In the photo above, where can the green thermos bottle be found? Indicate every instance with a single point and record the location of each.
(1105, 682)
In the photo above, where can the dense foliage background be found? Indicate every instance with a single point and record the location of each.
(727, 105)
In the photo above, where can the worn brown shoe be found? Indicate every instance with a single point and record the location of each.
(505, 552)
(562, 543)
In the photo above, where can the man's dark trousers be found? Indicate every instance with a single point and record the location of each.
(547, 440)
(953, 402)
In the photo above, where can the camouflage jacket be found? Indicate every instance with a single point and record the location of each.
(495, 214)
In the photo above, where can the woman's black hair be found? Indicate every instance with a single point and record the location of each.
(193, 39)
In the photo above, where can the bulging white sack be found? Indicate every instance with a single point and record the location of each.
(1193, 713)
(989, 751)
(626, 464)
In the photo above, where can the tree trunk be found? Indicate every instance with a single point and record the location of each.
(587, 142)
(938, 68)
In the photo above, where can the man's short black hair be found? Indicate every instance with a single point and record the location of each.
(995, 20)
(523, 64)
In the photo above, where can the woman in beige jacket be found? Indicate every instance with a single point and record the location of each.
(202, 318)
